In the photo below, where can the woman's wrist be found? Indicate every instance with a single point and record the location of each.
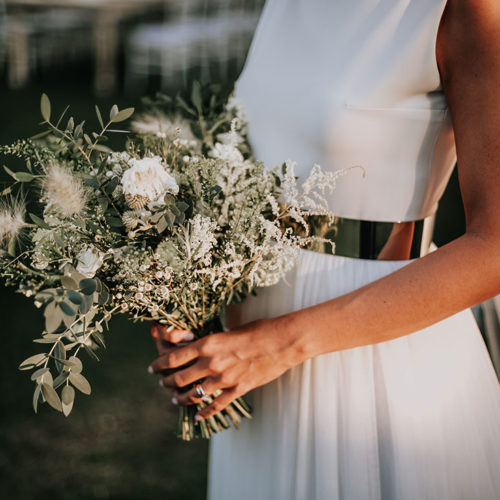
(304, 334)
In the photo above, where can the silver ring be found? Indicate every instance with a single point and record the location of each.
(200, 392)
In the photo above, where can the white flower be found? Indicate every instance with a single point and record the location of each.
(64, 192)
(226, 149)
(230, 137)
(89, 261)
(227, 152)
(147, 181)
(11, 222)
(202, 239)
(162, 126)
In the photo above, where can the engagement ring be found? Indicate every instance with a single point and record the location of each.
(200, 392)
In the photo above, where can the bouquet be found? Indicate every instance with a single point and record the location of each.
(173, 228)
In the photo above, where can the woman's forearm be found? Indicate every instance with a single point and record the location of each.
(454, 277)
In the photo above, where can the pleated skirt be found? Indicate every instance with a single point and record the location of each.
(410, 419)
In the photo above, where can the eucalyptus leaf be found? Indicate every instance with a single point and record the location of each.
(99, 116)
(87, 286)
(45, 107)
(80, 382)
(86, 304)
(98, 338)
(40, 135)
(156, 217)
(24, 176)
(60, 379)
(44, 341)
(113, 112)
(71, 125)
(123, 115)
(91, 181)
(60, 351)
(39, 373)
(91, 353)
(74, 364)
(39, 222)
(103, 297)
(53, 317)
(45, 295)
(162, 224)
(67, 309)
(58, 240)
(114, 222)
(112, 184)
(80, 223)
(103, 148)
(68, 398)
(75, 297)
(182, 206)
(79, 130)
(69, 283)
(68, 320)
(170, 218)
(32, 361)
(51, 396)
(36, 397)
(60, 356)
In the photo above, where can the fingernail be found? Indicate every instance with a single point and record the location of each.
(161, 382)
(175, 402)
(150, 369)
(198, 418)
(188, 336)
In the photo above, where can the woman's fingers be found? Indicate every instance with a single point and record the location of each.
(186, 376)
(219, 403)
(174, 358)
(209, 385)
(160, 332)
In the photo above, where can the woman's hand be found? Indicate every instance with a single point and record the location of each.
(234, 362)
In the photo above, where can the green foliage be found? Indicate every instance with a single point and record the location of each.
(175, 227)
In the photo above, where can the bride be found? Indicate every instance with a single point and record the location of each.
(368, 374)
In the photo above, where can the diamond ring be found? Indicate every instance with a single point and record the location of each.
(200, 392)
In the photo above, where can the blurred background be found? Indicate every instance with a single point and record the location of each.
(120, 442)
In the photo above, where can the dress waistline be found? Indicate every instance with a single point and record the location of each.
(375, 240)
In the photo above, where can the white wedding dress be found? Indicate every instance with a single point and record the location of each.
(342, 83)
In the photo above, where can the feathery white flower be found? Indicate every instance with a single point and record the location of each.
(64, 192)
(201, 239)
(163, 126)
(227, 152)
(147, 181)
(11, 221)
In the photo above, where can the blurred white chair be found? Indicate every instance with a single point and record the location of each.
(43, 39)
(201, 33)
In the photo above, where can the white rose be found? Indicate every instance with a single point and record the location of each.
(89, 261)
(147, 181)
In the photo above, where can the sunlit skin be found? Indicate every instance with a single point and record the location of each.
(458, 275)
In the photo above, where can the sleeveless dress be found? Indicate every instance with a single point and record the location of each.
(342, 83)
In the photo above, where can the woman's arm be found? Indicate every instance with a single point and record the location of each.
(454, 277)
